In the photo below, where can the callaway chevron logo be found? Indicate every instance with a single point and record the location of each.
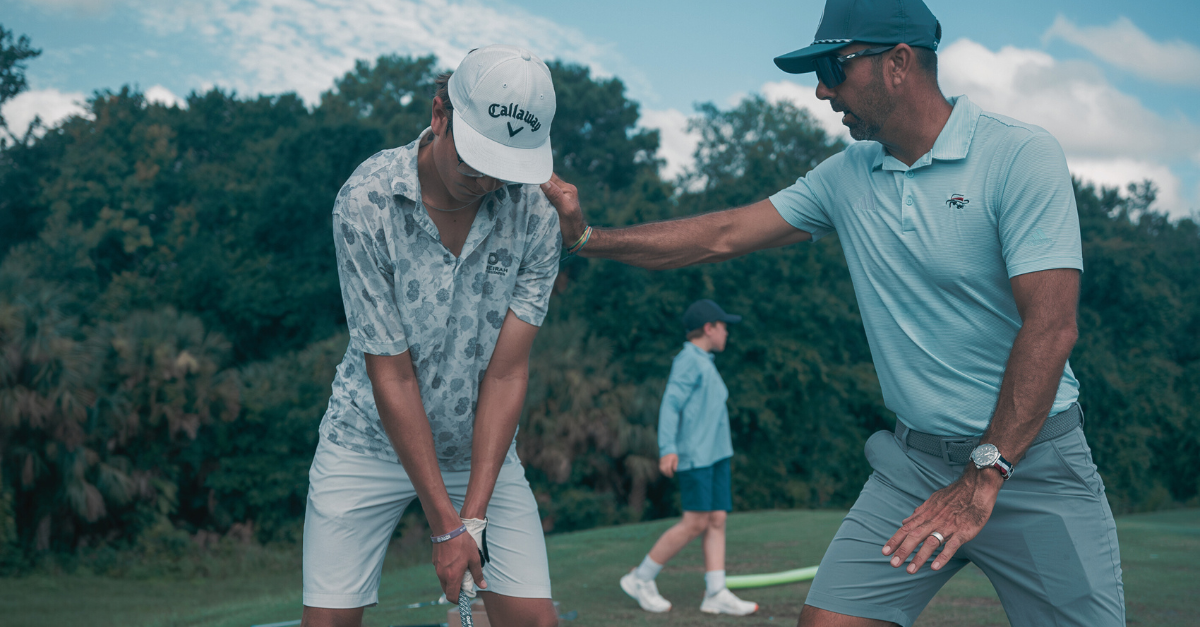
(511, 110)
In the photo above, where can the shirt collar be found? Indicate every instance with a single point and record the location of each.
(404, 170)
(707, 354)
(405, 183)
(952, 143)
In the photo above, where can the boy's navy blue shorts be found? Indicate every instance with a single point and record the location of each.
(707, 489)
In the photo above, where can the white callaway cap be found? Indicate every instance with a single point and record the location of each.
(503, 102)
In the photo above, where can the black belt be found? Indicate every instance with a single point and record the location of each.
(956, 451)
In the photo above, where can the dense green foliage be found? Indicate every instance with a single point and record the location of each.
(170, 318)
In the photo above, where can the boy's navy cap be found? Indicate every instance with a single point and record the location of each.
(703, 312)
(867, 21)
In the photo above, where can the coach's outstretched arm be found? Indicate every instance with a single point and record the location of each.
(706, 238)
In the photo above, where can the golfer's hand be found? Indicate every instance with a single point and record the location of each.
(667, 464)
(565, 198)
(454, 557)
(957, 511)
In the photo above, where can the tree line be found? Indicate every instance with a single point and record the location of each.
(170, 317)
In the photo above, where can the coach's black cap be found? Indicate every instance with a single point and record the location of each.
(867, 21)
(703, 312)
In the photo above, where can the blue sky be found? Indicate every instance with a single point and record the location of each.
(1117, 82)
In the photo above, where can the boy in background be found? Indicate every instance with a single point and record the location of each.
(693, 440)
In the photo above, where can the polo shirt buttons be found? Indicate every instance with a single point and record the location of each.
(910, 174)
(908, 201)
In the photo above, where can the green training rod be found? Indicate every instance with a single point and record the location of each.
(771, 579)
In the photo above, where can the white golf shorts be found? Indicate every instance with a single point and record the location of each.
(355, 501)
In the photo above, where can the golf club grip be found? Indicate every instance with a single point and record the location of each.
(464, 609)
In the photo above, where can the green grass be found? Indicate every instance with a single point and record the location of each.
(1160, 556)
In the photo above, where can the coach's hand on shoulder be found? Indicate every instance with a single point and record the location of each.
(565, 198)
(957, 512)
(454, 557)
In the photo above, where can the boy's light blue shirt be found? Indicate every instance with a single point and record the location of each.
(693, 421)
(931, 250)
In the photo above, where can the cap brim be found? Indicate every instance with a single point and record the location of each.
(801, 61)
(531, 166)
(732, 318)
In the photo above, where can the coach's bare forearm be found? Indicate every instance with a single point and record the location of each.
(398, 398)
(1036, 362)
(706, 238)
(667, 244)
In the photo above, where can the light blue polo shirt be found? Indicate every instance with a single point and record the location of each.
(931, 250)
(693, 421)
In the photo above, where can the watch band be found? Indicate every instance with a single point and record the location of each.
(1005, 468)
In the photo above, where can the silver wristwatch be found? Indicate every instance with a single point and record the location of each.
(988, 456)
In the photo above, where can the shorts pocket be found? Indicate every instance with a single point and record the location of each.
(1075, 456)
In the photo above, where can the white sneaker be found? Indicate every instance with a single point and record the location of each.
(645, 593)
(725, 602)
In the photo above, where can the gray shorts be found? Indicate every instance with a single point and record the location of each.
(1049, 548)
(355, 501)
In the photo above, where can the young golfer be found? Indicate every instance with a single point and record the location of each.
(693, 440)
(447, 252)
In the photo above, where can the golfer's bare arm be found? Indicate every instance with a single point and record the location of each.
(1047, 302)
(394, 383)
(705, 238)
(501, 396)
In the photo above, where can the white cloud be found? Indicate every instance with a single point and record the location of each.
(1124, 45)
(52, 105)
(676, 145)
(1090, 117)
(164, 96)
(83, 6)
(303, 45)
(1120, 172)
(805, 97)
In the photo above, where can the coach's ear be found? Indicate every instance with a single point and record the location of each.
(565, 198)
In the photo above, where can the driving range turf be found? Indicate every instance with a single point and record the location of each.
(1160, 557)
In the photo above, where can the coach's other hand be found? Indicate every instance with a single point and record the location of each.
(454, 557)
(565, 198)
(668, 464)
(957, 512)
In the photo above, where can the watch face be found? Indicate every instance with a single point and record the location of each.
(985, 455)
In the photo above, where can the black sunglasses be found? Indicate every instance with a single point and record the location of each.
(829, 69)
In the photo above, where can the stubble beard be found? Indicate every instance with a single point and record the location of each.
(875, 108)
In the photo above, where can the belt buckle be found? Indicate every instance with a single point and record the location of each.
(945, 445)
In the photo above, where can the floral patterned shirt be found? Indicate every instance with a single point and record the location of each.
(404, 291)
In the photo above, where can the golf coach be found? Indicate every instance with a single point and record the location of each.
(961, 234)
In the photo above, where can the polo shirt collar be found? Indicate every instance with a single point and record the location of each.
(952, 143)
(404, 170)
(954, 140)
(405, 183)
(699, 350)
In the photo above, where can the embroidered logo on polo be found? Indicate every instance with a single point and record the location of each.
(512, 110)
(498, 262)
(958, 201)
